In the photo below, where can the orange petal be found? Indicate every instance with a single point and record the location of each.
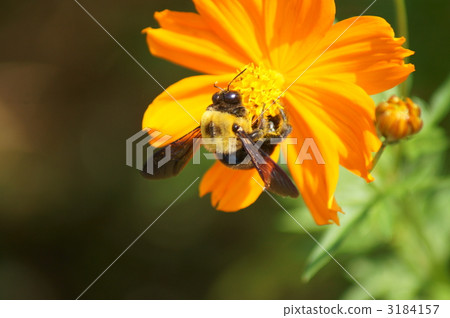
(316, 180)
(293, 28)
(239, 25)
(232, 189)
(185, 39)
(366, 54)
(180, 112)
(345, 114)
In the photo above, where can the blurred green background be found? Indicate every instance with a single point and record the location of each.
(70, 97)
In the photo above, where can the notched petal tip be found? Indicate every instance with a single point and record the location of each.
(146, 30)
(400, 40)
(410, 67)
(335, 221)
(332, 218)
(185, 39)
(369, 178)
(367, 54)
(203, 190)
(158, 15)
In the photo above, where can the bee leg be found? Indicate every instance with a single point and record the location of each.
(256, 134)
(285, 128)
(283, 114)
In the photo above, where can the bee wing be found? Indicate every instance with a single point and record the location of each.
(168, 161)
(275, 179)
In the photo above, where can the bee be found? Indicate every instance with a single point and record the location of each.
(238, 141)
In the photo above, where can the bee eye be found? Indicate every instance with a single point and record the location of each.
(216, 98)
(232, 97)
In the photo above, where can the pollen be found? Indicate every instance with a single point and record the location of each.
(261, 89)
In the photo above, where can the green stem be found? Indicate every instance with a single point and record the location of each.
(402, 30)
(402, 20)
(378, 155)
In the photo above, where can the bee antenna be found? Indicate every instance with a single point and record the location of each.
(215, 85)
(228, 88)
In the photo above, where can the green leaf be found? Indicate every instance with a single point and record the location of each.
(440, 102)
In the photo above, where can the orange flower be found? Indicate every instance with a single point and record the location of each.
(282, 40)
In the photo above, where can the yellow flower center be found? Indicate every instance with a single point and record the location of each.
(261, 89)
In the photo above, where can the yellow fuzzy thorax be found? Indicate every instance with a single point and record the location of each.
(260, 89)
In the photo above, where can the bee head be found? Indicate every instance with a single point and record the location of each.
(229, 97)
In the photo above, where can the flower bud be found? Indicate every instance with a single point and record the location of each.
(397, 119)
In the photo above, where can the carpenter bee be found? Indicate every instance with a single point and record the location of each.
(238, 141)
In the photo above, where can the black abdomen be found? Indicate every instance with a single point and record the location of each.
(241, 160)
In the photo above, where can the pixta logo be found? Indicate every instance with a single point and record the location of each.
(139, 151)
